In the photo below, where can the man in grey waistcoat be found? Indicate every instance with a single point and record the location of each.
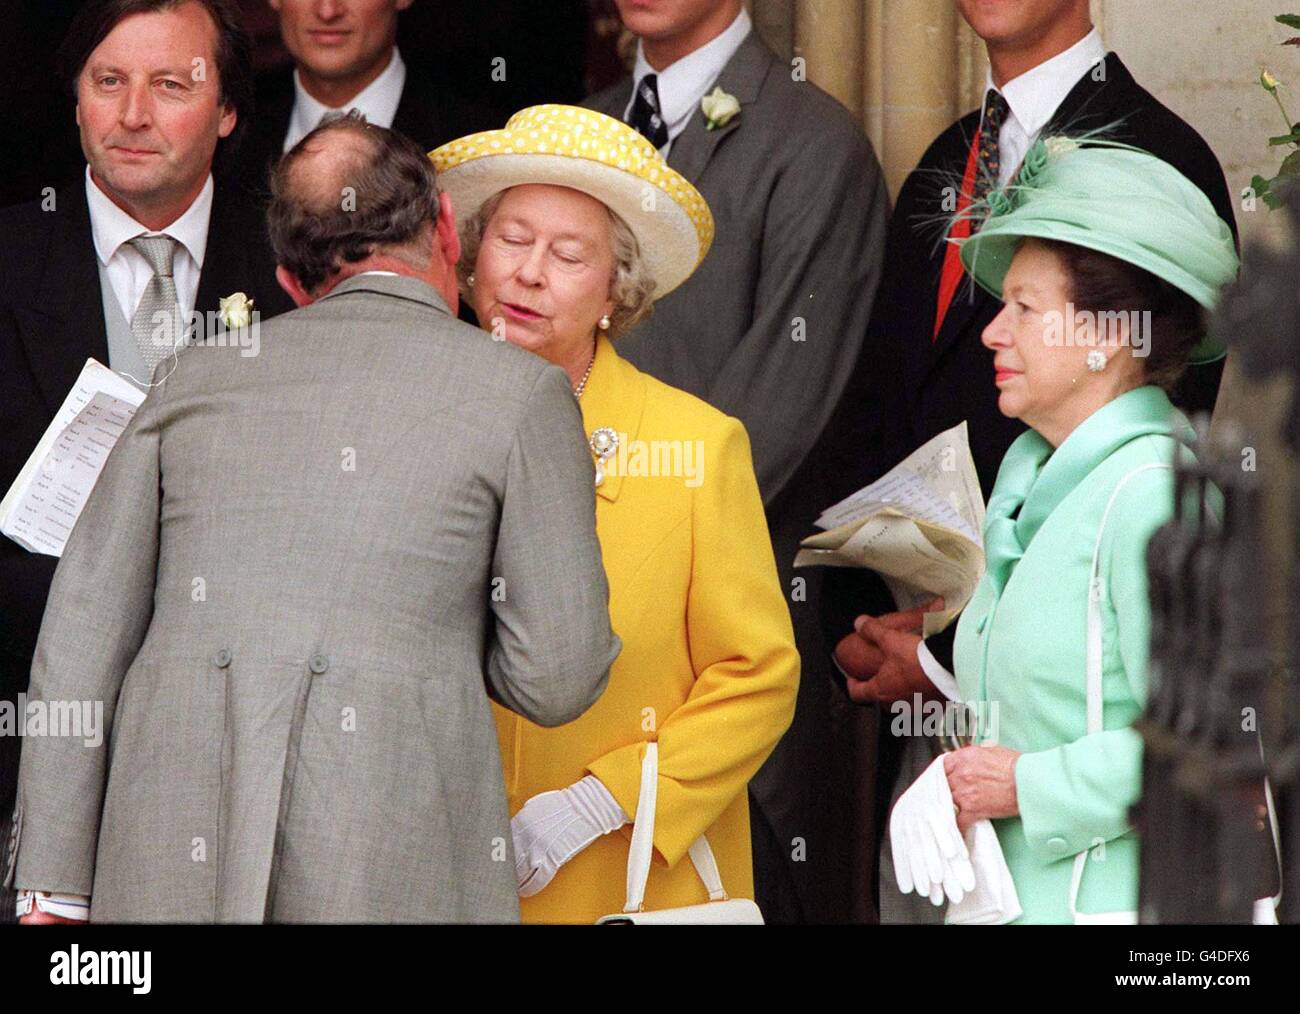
(155, 230)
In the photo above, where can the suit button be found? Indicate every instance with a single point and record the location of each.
(222, 658)
(318, 663)
(1057, 844)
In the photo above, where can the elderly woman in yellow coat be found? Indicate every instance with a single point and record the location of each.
(571, 223)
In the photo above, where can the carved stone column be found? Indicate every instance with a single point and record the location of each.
(904, 68)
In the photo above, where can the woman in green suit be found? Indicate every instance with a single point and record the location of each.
(1106, 259)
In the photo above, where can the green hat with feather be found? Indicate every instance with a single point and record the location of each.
(1114, 199)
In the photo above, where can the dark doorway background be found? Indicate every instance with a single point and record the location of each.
(553, 51)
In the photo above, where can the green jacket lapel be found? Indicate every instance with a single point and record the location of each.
(1034, 478)
(1140, 412)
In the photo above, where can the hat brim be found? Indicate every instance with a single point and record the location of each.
(987, 257)
(665, 234)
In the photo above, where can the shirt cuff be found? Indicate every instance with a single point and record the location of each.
(943, 680)
(69, 906)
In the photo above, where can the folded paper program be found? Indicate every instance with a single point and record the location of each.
(919, 527)
(46, 498)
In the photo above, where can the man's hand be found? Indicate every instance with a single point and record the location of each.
(879, 657)
(982, 780)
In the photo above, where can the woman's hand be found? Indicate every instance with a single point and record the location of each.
(555, 826)
(982, 780)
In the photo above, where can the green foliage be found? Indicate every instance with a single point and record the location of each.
(1288, 173)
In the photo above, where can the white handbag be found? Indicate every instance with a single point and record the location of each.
(718, 910)
(1265, 908)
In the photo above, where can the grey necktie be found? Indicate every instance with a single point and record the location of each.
(157, 321)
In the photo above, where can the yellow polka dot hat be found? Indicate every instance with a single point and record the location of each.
(588, 151)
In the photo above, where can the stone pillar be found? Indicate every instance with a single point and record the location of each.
(828, 34)
(905, 69)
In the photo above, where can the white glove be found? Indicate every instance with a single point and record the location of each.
(930, 856)
(553, 827)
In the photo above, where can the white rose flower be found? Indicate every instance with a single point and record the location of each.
(719, 108)
(236, 310)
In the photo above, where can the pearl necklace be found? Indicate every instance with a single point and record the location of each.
(582, 384)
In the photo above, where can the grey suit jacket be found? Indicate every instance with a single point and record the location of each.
(296, 584)
(771, 323)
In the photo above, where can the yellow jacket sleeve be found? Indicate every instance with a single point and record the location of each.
(742, 651)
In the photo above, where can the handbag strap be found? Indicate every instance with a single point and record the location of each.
(1094, 659)
(1094, 706)
(1266, 908)
(642, 848)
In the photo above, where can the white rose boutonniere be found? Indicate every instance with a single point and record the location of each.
(236, 310)
(719, 108)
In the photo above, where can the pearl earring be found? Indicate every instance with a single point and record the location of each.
(604, 322)
(1096, 360)
(470, 280)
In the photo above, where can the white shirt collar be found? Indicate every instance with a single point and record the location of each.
(111, 226)
(684, 83)
(1037, 93)
(378, 101)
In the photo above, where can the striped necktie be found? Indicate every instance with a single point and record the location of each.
(646, 116)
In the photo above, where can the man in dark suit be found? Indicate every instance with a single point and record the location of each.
(767, 331)
(924, 368)
(146, 229)
(346, 57)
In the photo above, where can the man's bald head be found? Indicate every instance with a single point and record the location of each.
(330, 161)
(347, 191)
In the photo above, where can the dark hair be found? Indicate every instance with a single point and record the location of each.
(1101, 283)
(98, 18)
(382, 196)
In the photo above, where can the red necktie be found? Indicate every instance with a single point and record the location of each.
(952, 269)
(980, 177)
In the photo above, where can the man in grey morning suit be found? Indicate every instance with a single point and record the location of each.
(768, 330)
(300, 578)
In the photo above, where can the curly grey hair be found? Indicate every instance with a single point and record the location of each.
(631, 285)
